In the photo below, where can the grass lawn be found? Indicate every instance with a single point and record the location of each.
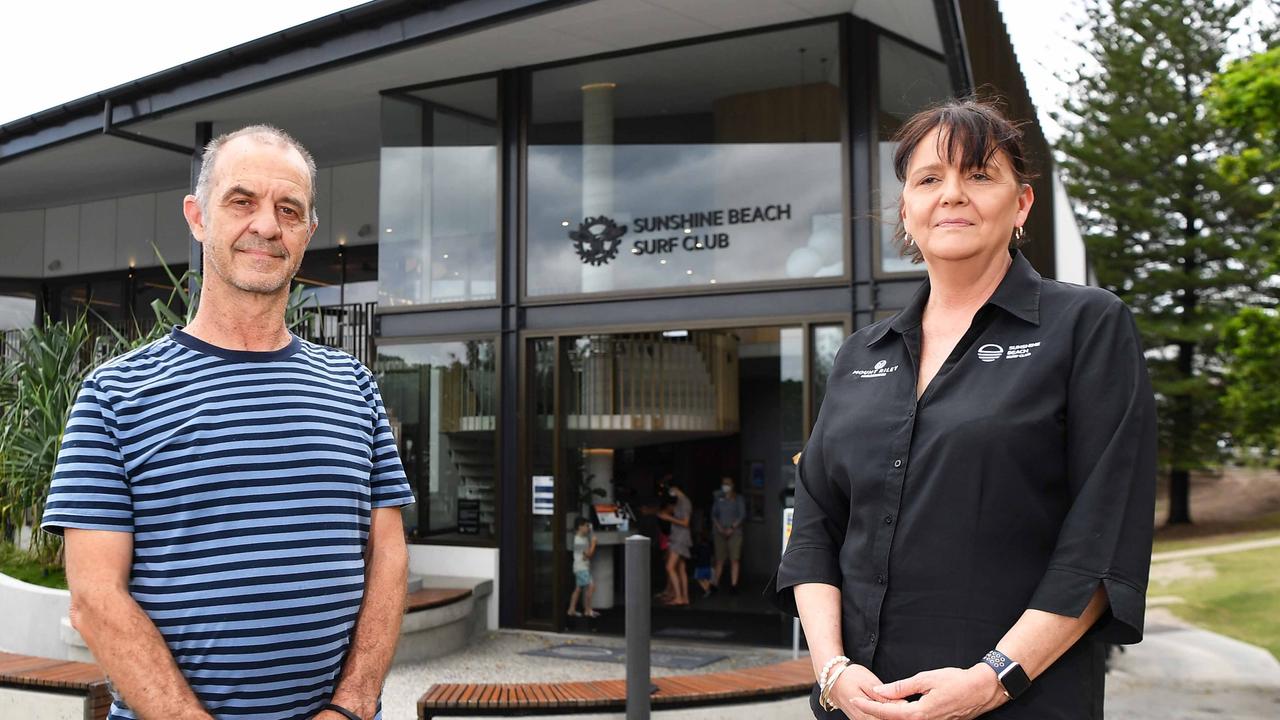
(1241, 601)
(16, 565)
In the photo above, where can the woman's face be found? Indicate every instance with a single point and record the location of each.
(955, 215)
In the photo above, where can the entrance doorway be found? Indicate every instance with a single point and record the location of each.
(613, 419)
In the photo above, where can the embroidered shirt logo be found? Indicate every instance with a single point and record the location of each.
(990, 352)
(1020, 351)
(882, 368)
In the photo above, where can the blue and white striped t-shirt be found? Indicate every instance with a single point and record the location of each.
(247, 480)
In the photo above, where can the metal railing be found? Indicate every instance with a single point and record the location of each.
(345, 327)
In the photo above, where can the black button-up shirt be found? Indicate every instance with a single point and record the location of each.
(1023, 477)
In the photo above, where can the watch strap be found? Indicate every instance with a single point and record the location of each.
(1012, 677)
(342, 711)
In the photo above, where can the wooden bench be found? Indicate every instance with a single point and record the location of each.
(434, 597)
(758, 684)
(52, 686)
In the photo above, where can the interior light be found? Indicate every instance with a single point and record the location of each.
(662, 262)
(688, 272)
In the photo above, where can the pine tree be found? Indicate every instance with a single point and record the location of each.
(1140, 158)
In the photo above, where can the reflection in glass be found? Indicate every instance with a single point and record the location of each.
(441, 399)
(539, 545)
(910, 81)
(827, 340)
(438, 201)
(675, 168)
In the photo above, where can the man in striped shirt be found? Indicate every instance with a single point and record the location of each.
(230, 493)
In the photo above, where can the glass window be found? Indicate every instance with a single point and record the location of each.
(910, 81)
(438, 195)
(827, 340)
(694, 166)
(441, 399)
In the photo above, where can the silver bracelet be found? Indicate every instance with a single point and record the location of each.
(822, 676)
(824, 697)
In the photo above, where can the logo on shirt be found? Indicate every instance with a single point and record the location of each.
(992, 352)
(882, 368)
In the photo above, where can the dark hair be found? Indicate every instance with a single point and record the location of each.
(970, 130)
(581, 521)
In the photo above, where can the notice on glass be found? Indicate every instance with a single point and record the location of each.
(544, 494)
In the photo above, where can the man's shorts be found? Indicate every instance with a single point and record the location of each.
(582, 577)
(730, 546)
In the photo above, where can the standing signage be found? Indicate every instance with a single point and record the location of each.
(787, 514)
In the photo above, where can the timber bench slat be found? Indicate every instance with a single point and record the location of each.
(793, 677)
(24, 672)
(433, 598)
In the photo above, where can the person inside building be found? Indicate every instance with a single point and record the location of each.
(974, 507)
(680, 544)
(584, 547)
(728, 513)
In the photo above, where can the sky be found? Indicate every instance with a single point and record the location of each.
(54, 51)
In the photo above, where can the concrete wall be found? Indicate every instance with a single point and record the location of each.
(31, 623)
(469, 562)
(107, 235)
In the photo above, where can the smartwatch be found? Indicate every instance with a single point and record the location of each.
(1012, 677)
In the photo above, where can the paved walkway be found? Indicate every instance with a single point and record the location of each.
(1178, 672)
(1216, 549)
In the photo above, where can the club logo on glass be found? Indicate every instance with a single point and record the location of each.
(597, 239)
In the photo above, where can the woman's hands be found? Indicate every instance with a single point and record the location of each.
(856, 682)
(947, 694)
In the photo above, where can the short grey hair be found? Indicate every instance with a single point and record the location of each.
(267, 134)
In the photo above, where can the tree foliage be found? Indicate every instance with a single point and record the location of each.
(1140, 154)
(1246, 99)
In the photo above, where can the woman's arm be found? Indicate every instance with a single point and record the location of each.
(673, 519)
(819, 606)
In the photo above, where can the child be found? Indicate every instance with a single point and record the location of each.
(584, 546)
(702, 563)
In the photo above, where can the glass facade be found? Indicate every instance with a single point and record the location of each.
(708, 164)
(438, 195)
(441, 399)
(910, 81)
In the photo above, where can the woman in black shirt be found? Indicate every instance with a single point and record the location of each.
(974, 508)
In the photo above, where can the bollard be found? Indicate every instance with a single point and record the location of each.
(637, 589)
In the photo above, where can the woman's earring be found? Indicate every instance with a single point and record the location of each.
(1018, 233)
(907, 239)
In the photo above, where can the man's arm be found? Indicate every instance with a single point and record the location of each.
(122, 638)
(378, 626)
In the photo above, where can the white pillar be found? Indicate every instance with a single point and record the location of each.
(597, 171)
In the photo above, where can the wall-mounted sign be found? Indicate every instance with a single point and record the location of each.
(610, 218)
(544, 494)
(468, 517)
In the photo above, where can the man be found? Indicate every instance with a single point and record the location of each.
(727, 515)
(230, 493)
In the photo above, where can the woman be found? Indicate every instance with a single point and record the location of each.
(680, 544)
(977, 493)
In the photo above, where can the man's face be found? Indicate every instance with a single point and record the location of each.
(257, 224)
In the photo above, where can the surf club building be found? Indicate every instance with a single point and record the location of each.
(584, 245)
